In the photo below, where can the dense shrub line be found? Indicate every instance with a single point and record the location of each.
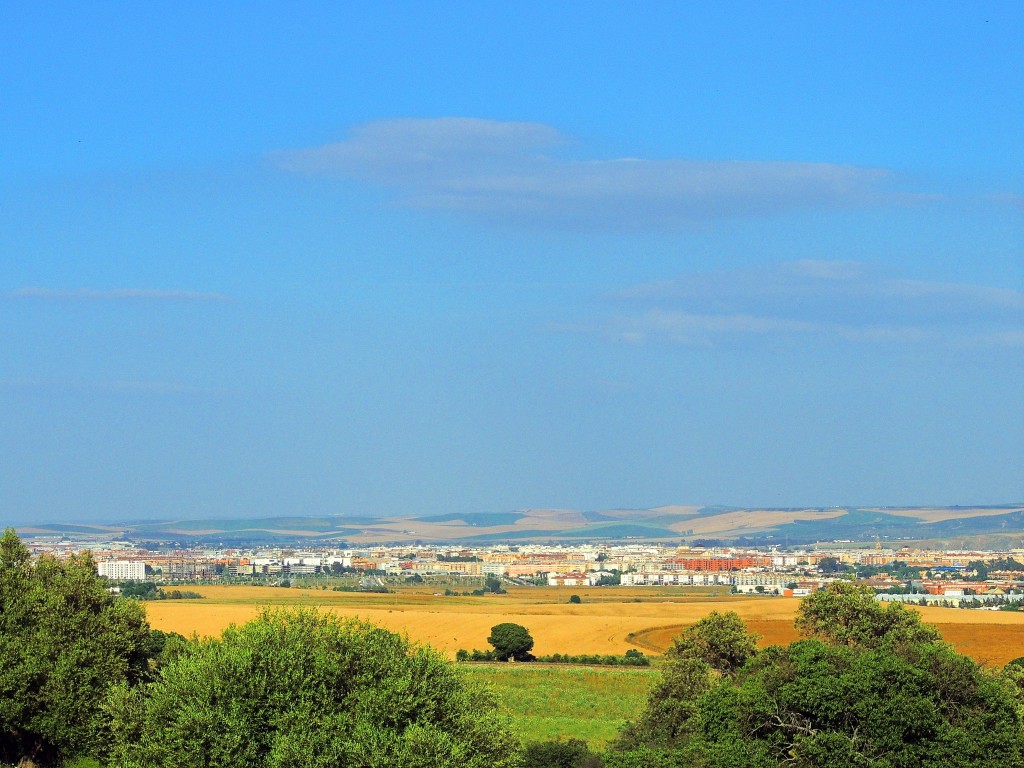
(147, 590)
(631, 658)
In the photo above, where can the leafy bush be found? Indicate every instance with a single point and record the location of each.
(632, 658)
(309, 689)
(572, 753)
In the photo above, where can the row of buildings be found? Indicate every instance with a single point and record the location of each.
(941, 574)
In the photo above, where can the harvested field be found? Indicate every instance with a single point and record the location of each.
(609, 620)
(940, 514)
(989, 637)
(772, 632)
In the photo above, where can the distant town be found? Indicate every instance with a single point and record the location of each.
(980, 579)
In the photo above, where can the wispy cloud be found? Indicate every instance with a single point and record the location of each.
(116, 294)
(841, 300)
(522, 172)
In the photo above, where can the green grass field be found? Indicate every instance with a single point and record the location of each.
(554, 701)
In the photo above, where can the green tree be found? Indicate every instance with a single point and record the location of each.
(65, 643)
(829, 565)
(493, 584)
(848, 614)
(309, 689)
(720, 640)
(979, 569)
(717, 645)
(575, 599)
(511, 641)
(877, 692)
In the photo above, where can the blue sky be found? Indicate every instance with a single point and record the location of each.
(322, 258)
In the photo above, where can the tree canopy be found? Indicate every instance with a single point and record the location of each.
(721, 640)
(511, 641)
(870, 687)
(304, 688)
(848, 614)
(65, 642)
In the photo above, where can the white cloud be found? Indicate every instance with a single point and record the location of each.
(511, 171)
(848, 301)
(686, 328)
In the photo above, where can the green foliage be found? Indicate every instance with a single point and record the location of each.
(571, 753)
(1005, 564)
(65, 642)
(848, 614)
(147, 590)
(84, 762)
(178, 594)
(511, 641)
(493, 584)
(979, 570)
(575, 599)
(829, 565)
(720, 640)
(671, 705)
(872, 688)
(139, 590)
(303, 688)
(632, 658)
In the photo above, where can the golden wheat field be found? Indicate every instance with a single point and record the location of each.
(609, 620)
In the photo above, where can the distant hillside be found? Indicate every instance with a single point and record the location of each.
(756, 526)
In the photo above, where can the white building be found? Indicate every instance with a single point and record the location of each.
(123, 570)
(687, 578)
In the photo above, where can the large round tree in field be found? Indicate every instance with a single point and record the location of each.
(511, 641)
(306, 689)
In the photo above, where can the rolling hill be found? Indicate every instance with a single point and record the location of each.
(754, 526)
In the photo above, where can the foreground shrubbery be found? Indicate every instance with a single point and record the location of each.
(306, 689)
(869, 687)
(65, 642)
(83, 681)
